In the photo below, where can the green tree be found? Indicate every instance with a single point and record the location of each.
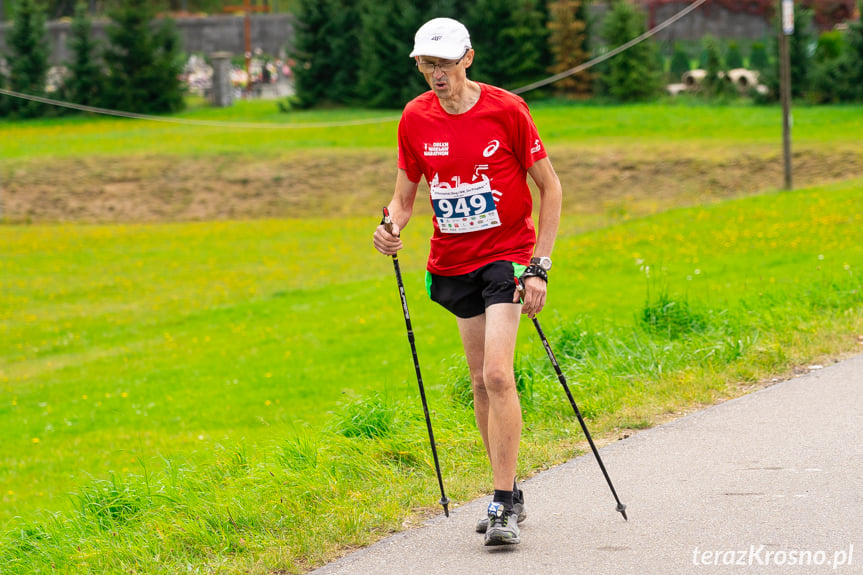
(799, 48)
(733, 57)
(327, 52)
(510, 39)
(837, 75)
(852, 56)
(568, 42)
(799, 55)
(143, 59)
(27, 60)
(387, 76)
(758, 57)
(84, 83)
(714, 83)
(680, 63)
(633, 74)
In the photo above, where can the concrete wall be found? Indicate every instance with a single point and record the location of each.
(714, 20)
(710, 19)
(271, 33)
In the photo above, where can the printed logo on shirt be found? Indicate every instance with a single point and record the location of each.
(491, 148)
(537, 146)
(436, 149)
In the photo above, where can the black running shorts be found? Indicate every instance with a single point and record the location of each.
(469, 294)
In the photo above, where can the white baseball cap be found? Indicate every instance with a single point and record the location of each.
(441, 38)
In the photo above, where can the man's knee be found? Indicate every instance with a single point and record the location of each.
(497, 380)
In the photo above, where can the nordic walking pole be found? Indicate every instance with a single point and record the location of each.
(388, 223)
(621, 508)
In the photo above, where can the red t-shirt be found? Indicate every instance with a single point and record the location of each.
(476, 166)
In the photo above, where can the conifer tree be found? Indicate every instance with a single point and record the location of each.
(852, 57)
(679, 63)
(568, 42)
(84, 82)
(733, 57)
(27, 60)
(510, 39)
(143, 60)
(758, 57)
(634, 73)
(387, 76)
(327, 51)
(715, 83)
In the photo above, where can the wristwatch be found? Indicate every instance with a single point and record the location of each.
(544, 263)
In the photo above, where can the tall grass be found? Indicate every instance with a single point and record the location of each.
(646, 318)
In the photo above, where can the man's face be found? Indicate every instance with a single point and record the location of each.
(445, 77)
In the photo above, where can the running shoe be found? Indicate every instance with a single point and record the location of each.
(517, 506)
(502, 525)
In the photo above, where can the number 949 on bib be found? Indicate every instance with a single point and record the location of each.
(465, 210)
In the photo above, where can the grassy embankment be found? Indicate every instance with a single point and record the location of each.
(239, 395)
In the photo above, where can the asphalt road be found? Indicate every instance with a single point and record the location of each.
(771, 482)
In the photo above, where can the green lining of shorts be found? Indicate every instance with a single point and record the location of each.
(428, 283)
(517, 269)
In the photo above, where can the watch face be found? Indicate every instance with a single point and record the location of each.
(545, 263)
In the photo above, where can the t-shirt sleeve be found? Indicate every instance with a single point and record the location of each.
(528, 145)
(407, 159)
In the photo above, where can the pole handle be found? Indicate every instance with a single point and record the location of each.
(388, 221)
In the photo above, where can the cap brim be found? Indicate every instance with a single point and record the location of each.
(435, 50)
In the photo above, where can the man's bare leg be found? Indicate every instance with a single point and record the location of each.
(489, 345)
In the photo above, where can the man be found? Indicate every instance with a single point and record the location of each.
(475, 145)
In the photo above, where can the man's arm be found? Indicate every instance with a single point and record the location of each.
(551, 198)
(400, 208)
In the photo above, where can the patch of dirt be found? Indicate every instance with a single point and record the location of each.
(337, 183)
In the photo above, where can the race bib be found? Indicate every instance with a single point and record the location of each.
(465, 208)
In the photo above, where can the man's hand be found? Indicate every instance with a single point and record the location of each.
(532, 291)
(388, 243)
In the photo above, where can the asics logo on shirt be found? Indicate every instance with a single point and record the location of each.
(537, 146)
(491, 148)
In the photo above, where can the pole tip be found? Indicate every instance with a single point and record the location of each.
(444, 501)
(621, 508)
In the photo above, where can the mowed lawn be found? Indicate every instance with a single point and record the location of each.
(645, 127)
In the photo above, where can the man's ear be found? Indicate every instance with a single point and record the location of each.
(468, 58)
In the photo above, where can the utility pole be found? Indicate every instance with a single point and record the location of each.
(785, 84)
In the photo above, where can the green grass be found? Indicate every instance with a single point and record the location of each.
(227, 395)
(580, 125)
(223, 396)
